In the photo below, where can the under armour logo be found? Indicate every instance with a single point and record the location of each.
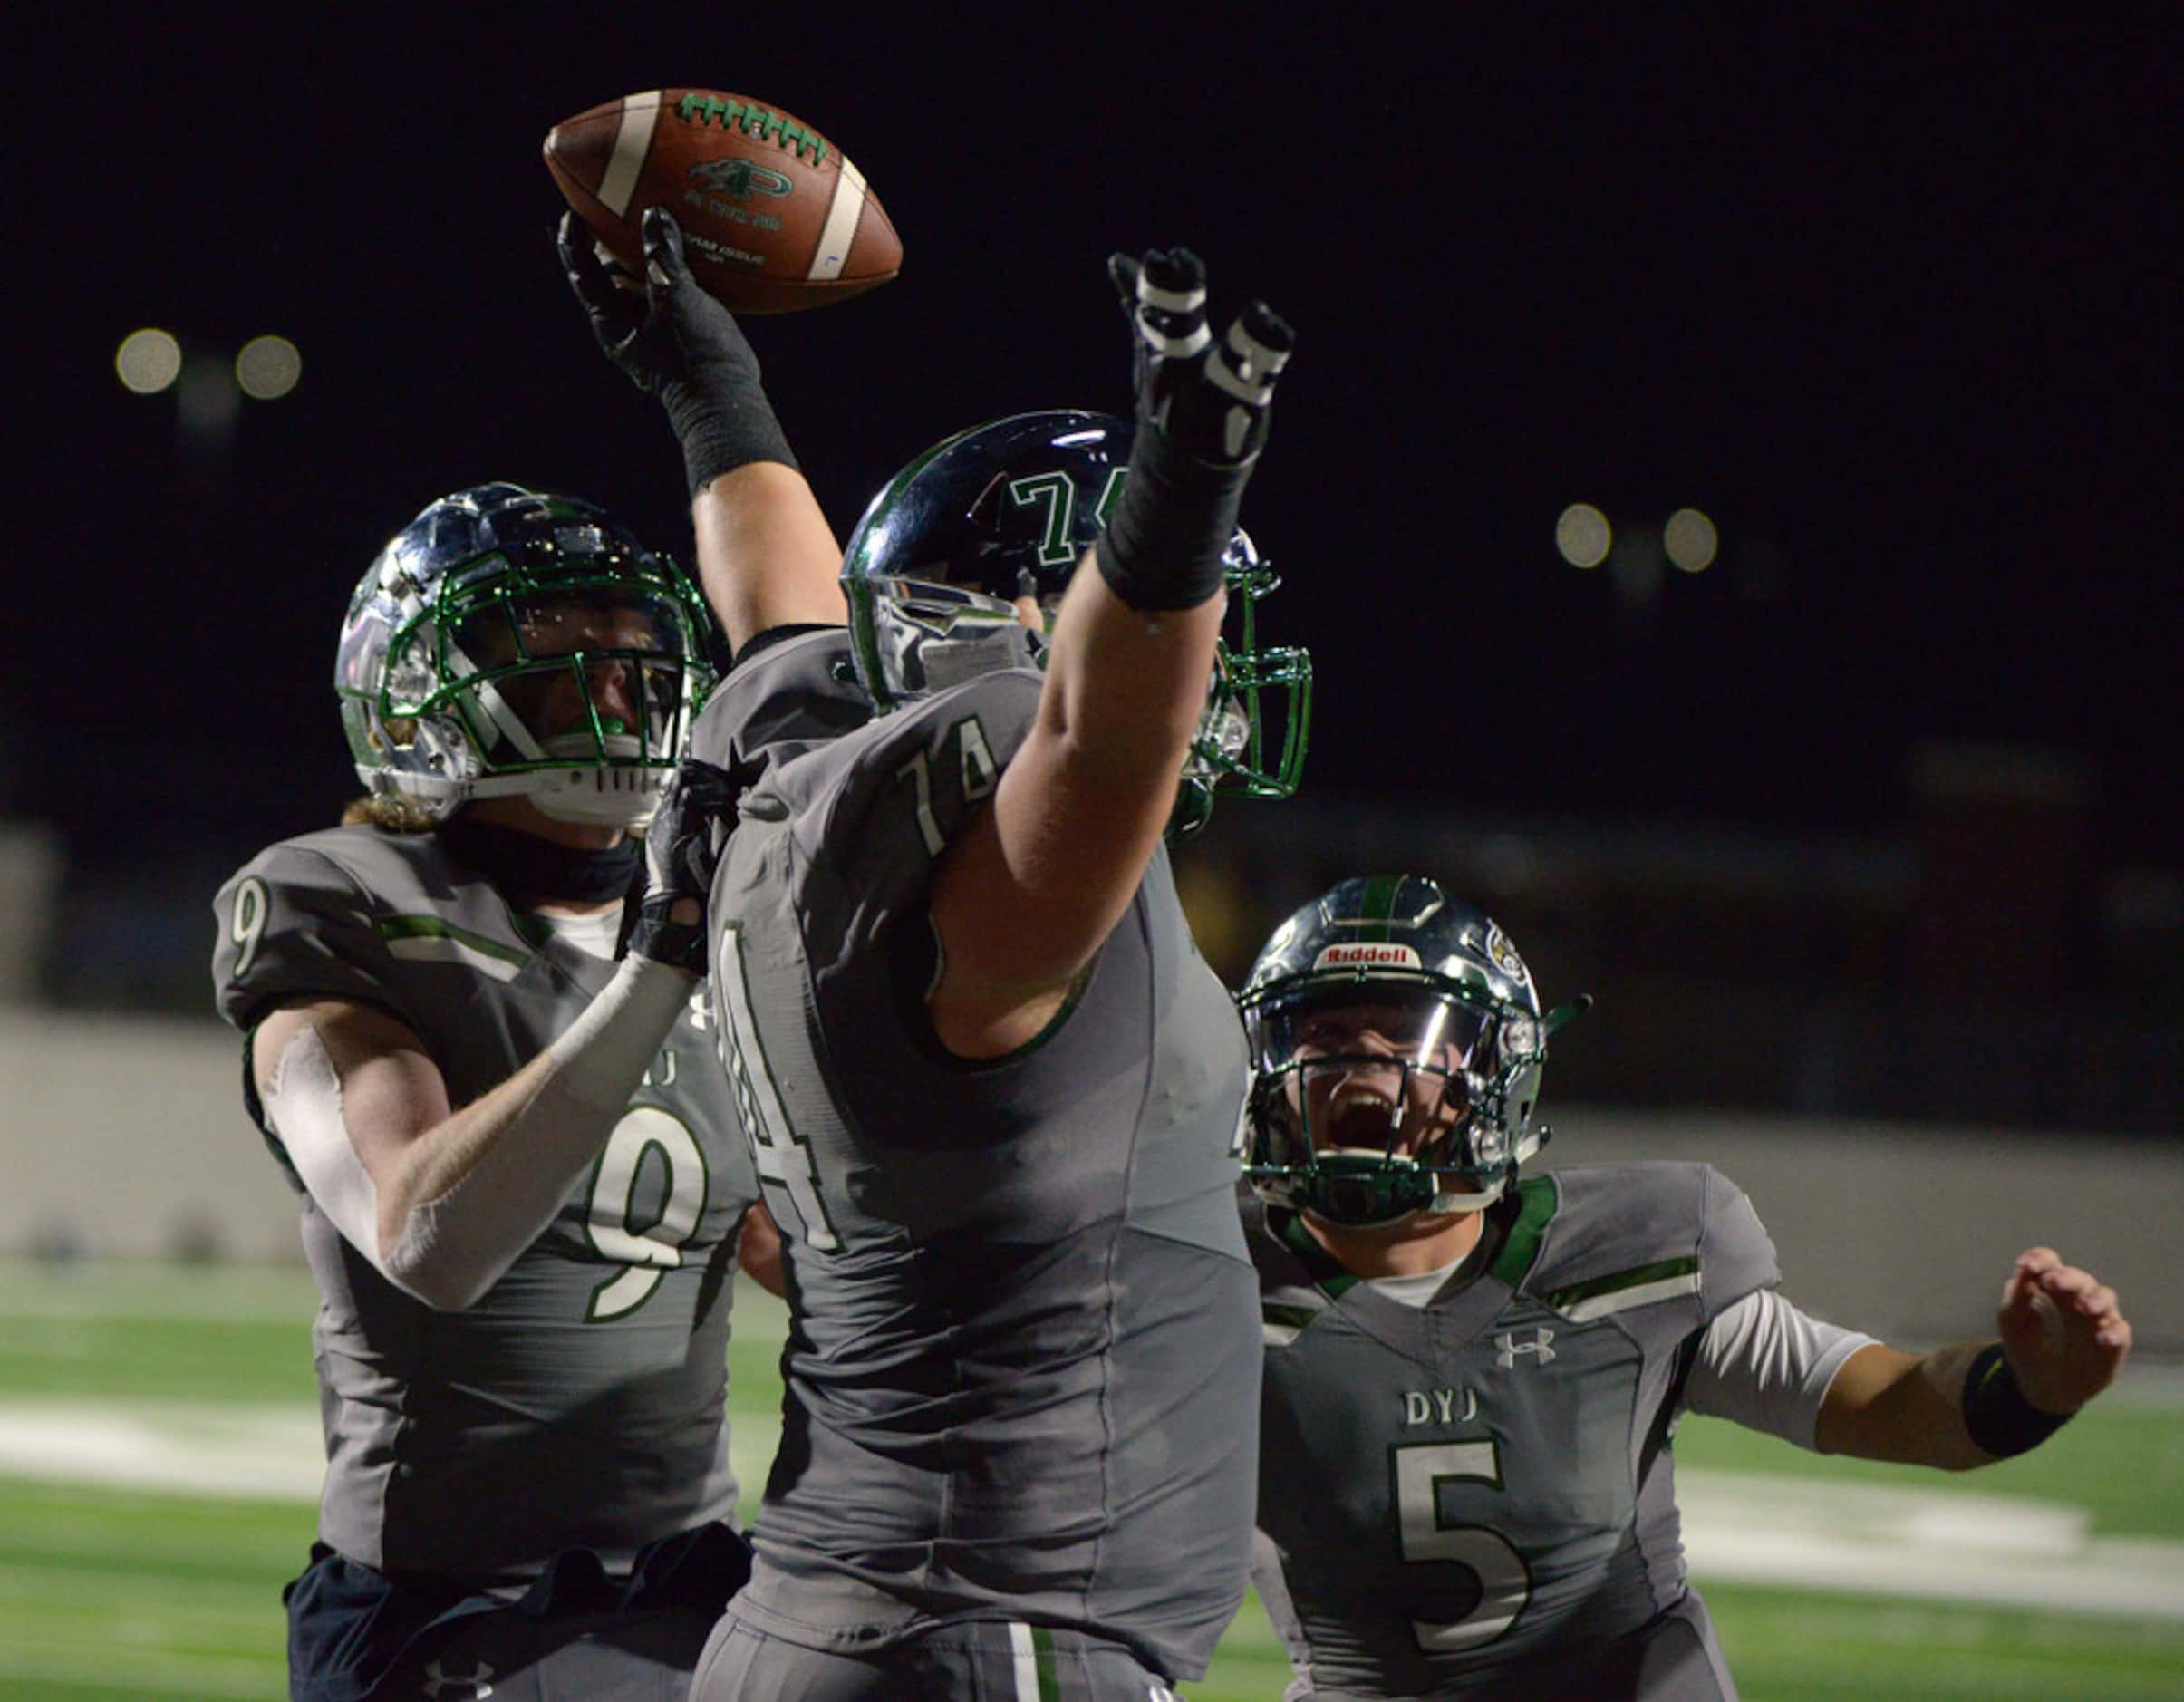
(1510, 1346)
(437, 1681)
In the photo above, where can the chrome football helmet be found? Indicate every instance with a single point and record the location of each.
(1397, 1044)
(937, 567)
(510, 642)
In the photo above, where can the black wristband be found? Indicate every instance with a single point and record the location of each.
(727, 424)
(1162, 547)
(1999, 1419)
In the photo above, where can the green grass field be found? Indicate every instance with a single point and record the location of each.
(115, 1383)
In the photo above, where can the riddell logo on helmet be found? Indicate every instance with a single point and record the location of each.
(1366, 957)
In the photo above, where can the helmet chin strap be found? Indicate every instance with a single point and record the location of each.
(599, 795)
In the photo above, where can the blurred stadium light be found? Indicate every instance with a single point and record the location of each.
(1583, 536)
(1691, 541)
(149, 361)
(267, 368)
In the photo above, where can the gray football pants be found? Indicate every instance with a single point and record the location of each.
(600, 1658)
(1000, 1660)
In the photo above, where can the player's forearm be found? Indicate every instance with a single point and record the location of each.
(472, 1194)
(1125, 689)
(1909, 1409)
(767, 557)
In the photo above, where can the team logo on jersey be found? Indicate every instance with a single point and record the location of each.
(1439, 1406)
(1382, 955)
(1507, 1347)
(438, 1683)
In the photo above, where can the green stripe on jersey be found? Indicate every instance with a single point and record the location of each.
(428, 940)
(1537, 1200)
(1281, 1325)
(1619, 1290)
(394, 928)
(1321, 1266)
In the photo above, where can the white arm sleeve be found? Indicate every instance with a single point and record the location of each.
(456, 1246)
(1767, 1366)
(304, 1104)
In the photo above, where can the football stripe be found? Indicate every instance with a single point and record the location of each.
(841, 229)
(633, 141)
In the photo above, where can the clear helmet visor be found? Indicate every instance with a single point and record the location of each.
(1379, 1068)
(1374, 1099)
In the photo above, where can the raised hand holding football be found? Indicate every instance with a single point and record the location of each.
(775, 217)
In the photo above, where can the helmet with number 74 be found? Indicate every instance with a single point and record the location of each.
(1397, 1045)
(982, 533)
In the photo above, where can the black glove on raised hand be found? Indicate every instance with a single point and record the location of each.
(680, 345)
(681, 850)
(1203, 414)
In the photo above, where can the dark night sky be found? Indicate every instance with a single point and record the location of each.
(1895, 302)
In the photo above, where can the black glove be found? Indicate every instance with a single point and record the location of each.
(1211, 398)
(1202, 415)
(680, 345)
(681, 849)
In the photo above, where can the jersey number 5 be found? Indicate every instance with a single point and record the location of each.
(1504, 1585)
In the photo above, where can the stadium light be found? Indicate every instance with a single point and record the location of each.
(1583, 536)
(148, 361)
(1691, 541)
(268, 368)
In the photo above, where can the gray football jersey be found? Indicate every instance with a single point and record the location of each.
(1023, 1375)
(582, 1401)
(1453, 1497)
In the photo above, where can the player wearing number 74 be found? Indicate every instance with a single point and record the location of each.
(520, 1176)
(1467, 1486)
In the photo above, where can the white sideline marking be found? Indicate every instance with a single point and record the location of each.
(1928, 1544)
(207, 1449)
(1742, 1527)
(202, 1448)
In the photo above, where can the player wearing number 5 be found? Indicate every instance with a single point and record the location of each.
(1467, 1487)
(520, 1176)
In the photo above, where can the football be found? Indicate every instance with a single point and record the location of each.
(774, 218)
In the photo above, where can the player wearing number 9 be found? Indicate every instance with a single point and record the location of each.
(520, 1175)
(1466, 1483)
